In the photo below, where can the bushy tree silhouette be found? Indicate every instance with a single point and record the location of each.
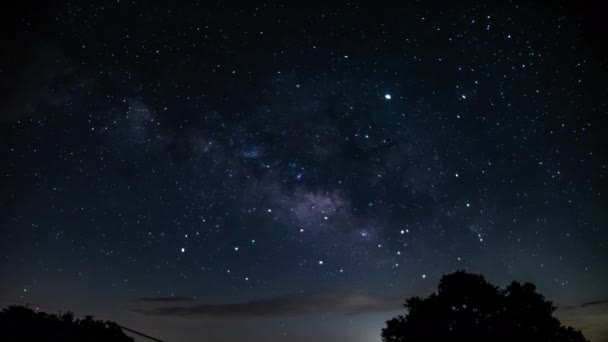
(468, 308)
(20, 324)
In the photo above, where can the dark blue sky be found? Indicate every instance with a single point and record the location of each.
(297, 171)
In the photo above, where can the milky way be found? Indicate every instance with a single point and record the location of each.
(183, 169)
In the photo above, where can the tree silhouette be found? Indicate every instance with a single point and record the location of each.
(468, 308)
(18, 323)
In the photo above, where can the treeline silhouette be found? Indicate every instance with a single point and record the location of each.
(19, 323)
(465, 307)
(468, 308)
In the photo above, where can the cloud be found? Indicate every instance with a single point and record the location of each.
(297, 304)
(170, 299)
(595, 302)
(592, 303)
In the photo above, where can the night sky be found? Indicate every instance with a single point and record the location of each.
(227, 172)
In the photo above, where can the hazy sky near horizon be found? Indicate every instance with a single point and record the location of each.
(273, 172)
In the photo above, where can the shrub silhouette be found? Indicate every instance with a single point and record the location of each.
(18, 323)
(468, 308)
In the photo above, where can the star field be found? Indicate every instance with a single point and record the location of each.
(162, 161)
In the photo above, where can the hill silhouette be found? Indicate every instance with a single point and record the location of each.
(19, 323)
(468, 308)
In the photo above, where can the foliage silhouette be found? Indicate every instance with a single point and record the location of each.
(468, 308)
(18, 323)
